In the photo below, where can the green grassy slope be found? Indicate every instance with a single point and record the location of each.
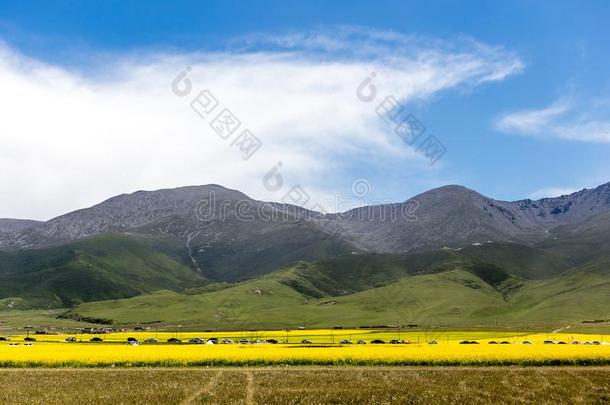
(132, 280)
(581, 294)
(503, 266)
(100, 268)
(523, 261)
(240, 307)
(253, 256)
(305, 294)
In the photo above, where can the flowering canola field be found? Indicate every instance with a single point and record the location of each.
(52, 351)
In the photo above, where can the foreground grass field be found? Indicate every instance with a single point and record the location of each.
(510, 349)
(308, 385)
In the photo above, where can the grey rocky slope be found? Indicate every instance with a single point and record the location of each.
(453, 216)
(215, 228)
(581, 242)
(9, 225)
(117, 214)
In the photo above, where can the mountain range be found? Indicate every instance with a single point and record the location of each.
(449, 254)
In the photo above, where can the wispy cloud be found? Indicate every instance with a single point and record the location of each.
(564, 119)
(71, 139)
(467, 59)
(531, 121)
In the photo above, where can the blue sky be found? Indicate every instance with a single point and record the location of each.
(541, 128)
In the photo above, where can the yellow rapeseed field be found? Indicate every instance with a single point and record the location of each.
(51, 351)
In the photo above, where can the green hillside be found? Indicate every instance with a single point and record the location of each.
(523, 261)
(581, 294)
(266, 251)
(503, 266)
(238, 307)
(449, 291)
(129, 280)
(95, 269)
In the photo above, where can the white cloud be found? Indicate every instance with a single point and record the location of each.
(585, 130)
(71, 139)
(551, 192)
(531, 121)
(562, 119)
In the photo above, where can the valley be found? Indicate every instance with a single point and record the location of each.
(150, 260)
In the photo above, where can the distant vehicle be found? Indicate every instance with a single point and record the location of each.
(492, 342)
(528, 342)
(71, 339)
(561, 343)
(244, 342)
(306, 341)
(96, 340)
(4, 339)
(227, 342)
(197, 341)
(151, 340)
(361, 342)
(549, 342)
(469, 342)
(132, 340)
(273, 341)
(433, 342)
(346, 342)
(377, 342)
(28, 344)
(174, 340)
(505, 342)
(29, 339)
